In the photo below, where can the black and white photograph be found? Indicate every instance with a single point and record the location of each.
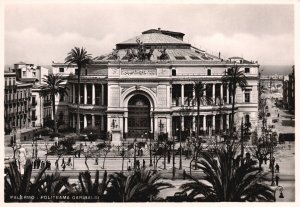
(155, 102)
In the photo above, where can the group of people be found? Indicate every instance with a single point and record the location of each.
(63, 163)
(40, 164)
(137, 164)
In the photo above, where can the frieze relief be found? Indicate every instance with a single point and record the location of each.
(138, 72)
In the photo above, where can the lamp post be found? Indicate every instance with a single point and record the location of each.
(134, 156)
(173, 169)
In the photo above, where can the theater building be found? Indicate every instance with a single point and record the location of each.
(145, 87)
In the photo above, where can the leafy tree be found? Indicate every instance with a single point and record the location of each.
(54, 86)
(226, 180)
(233, 78)
(138, 186)
(81, 58)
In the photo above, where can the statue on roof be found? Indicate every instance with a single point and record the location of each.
(164, 55)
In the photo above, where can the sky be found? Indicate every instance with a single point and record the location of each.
(42, 33)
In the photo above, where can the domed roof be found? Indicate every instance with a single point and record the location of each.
(152, 39)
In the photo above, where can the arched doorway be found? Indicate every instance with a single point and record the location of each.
(138, 116)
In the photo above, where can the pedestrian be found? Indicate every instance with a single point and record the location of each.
(42, 164)
(277, 168)
(38, 163)
(56, 165)
(129, 165)
(144, 163)
(277, 179)
(278, 115)
(169, 156)
(70, 161)
(85, 162)
(63, 166)
(184, 174)
(138, 164)
(34, 164)
(63, 161)
(96, 160)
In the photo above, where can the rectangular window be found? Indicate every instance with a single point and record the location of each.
(247, 95)
(247, 70)
(61, 70)
(173, 72)
(209, 72)
(24, 74)
(76, 71)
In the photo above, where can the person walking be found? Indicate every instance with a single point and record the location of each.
(56, 165)
(277, 168)
(63, 166)
(277, 179)
(129, 165)
(144, 163)
(34, 164)
(38, 163)
(70, 161)
(63, 161)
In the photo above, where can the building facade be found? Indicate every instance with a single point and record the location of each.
(17, 109)
(145, 88)
(289, 91)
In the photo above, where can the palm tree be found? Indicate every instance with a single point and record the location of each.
(200, 98)
(54, 86)
(226, 180)
(233, 78)
(89, 188)
(138, 186)
(81, 58)
(21, 185)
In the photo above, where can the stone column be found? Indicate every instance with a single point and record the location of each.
(126, 122)
(221, 122)
(227, 121)
(84, 121)
(169, 96)
(182, 123)
(213, 122)
(74, 95)
(93, 94)
(102, 122)
(169, 127)
(204, 123)
(84, 94)
(93, 119)
(194, 95)
(182, 94)
(221, 93)
(74, 120)
(194, 123)
(102, 94)
(213, 93)
(227, 94)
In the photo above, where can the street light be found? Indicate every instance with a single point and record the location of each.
(180, 159)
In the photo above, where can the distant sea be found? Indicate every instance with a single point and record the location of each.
(276, 69)
(267, 69)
